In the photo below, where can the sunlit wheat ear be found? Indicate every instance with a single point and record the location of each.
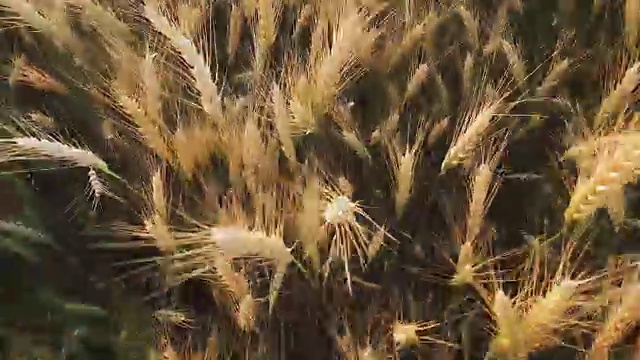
(616, 206)
(237, 242)
(555, 75)
(26, 74)
(387, 129)
(619, 97)
(584, 151)
(376, 243)
(417, 80)
(403, 161)
(437, 130)
(517, 66)
(97, 189)
(233, 282)
(158, 198)
(246, 313)
(410, 38)
(240, 234)
(465, 269)
(483, 188)
(507, 341)
(632, 25)
(409, 334)
(282, 122)
(153, 88)
(102, 18)
(615, 167)
(197, 60)
(471, 24)
(26, 15)
(234, 31)
(194, 144)
(173, 317)
(144, 127)
(335, 63)
(308, 222)
(50, 149)
(559, 302)
(470, 133)
(349, 131)
(46, 19)
(267, 19)
(622, 316)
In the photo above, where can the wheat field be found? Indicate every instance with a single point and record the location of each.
(329, 179)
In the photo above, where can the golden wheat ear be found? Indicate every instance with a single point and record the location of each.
(615, 166)
(622, 316)
(470, 133)
(27, 148)
(203, 80)
(403, 161)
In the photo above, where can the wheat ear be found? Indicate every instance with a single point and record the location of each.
(553, 78)
(620, 96)
(632, 24)
(621, 318)
(34, 149)
(615, 167)
(507, 342)
(204, 81)
(470, 135)
(403, 163)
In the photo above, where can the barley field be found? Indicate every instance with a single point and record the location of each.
(319, 179)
